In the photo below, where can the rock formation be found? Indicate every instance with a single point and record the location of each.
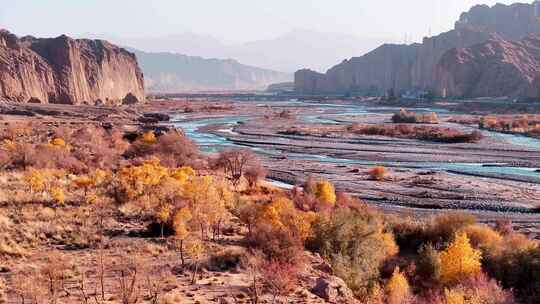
(67, 71)
(512, 22)
(428, 66)
(391, 66)
(497, 67)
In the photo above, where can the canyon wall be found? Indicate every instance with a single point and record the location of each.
(391, 66)
(418, 66)
(67, 71)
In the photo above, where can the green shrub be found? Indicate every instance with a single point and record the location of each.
(355, 245)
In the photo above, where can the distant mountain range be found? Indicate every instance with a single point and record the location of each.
(171, 73)
(287, 53)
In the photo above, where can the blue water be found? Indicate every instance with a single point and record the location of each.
(210, 143)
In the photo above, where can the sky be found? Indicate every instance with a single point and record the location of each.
(235, 21)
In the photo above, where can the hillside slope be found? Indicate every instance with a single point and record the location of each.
(170, 73)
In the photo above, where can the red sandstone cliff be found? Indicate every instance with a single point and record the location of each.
(67, 71)
(497, 67)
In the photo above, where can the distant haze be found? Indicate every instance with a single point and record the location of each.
(287, 53)
(255, 32)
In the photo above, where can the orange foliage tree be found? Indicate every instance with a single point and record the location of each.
(460, 260)
(398, 290)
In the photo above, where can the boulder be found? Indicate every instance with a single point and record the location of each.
(333, 289)
(130, 99)
(158, 116)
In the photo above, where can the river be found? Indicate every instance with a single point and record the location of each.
(212, 142)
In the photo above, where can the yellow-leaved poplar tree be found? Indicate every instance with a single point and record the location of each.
(398, 290)
(57, 195)
(460, 260)
(163, 215)
(36, 180)
(180, 224)
(326, 194)
(149, 138)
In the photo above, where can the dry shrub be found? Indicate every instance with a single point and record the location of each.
(377, 173)
(97, 147)
(516, 264)
(254, 174)
(427, 133)
(47, 157)
(483, 237)
(442, 228)
(276, 243)
(280, 277)
(355, 244)
(504, 227)
(225, 260)
(428, 266)
(439, 230)
(235, 162)
(405, 116)
(173, 148)
(480, 289)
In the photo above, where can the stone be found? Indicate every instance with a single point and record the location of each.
(148, 120)
(34, 100)
(66, 71)
(130, 99)
(332, 289)
(158, 116)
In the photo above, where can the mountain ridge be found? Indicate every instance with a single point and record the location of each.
(168, 72)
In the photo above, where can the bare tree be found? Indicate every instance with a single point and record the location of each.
(234, 162)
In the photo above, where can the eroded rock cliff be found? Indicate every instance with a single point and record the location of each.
(497, 67)
(391, 66)
(67, 71)
(419, 66)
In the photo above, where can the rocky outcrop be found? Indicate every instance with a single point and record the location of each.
(497, 67)
(67, 71)
(333, 290)
(421, 67)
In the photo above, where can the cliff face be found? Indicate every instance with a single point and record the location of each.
(419, 66)
(495, 68)
(398, 67)
(68, 71)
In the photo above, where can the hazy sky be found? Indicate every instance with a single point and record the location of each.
(234, 20)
